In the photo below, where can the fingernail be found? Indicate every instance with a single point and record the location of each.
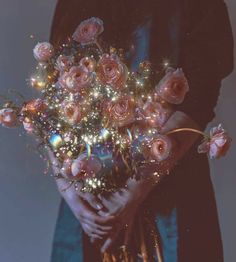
(99, 207)
(106, 246)
(103, 249)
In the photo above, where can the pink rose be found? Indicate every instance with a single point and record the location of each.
(173, 87)
(64, 63)
(72, 112)
(34, 107)
(158, 148)
(121, 112)
(218, 144)
(43, 52)
(89, 63)
(155, 113)
(85, 167)
(111, 71)
(8, 117)
(88, 31)
(76, 79)
(28, 125)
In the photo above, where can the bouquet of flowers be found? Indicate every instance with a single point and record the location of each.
(102, 121)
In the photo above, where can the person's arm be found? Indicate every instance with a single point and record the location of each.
(207, 57)
(124, 203)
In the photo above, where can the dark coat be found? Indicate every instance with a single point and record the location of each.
(195, 35)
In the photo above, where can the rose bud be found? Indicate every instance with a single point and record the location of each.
(8, 117)
(89, 63)
(121, 112)
(88, 31)
(218, 144)
(155, 113)
(64, 63)
(173, 87)
(28, 125)
(72, 112)
(111, 71)
(76, 79)
(158, 148)
(34, 107)
(85, 167)
(43, 52)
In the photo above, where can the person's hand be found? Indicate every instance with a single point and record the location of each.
(184, 140)
(124, 203)
(83, 205)
(181, 142)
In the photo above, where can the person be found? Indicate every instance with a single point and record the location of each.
(193, 35)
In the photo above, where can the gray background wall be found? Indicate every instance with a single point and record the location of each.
(28, 200)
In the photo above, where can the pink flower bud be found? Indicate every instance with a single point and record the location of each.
(88, 31)
(218, 144)
(8, 117)
(43, 52)
(28, 125)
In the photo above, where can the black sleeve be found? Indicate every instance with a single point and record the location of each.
(206, 57)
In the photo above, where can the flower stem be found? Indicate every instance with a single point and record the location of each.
(99, 46)
(187, 130)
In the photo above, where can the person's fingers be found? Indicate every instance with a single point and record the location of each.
(87, 213)
(90, 232)
(92, 200)
(95, 237)
(63, 186)
(109, 242)
(106, 229)
(52, 157)
(93, 217)
(93, 230)
(103, 213)
(50, 154)
(113, 203)
(101, 231)
(94, 240)
(54, 161)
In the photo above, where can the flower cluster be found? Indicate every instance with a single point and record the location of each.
(98, 117)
